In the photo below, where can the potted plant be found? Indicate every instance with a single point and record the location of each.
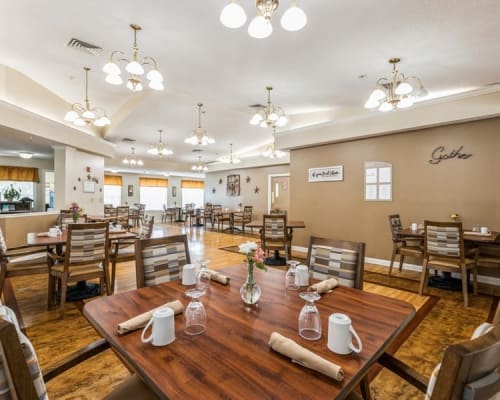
(12, 193)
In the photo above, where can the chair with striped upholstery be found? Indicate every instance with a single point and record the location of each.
(339, 259)
(444, 251)
(161, 259)
(274, 234)
(122, 216)
(86, 257)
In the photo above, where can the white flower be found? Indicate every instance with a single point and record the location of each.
(248, 247)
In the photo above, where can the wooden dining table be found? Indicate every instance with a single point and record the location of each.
(232, 358)
(469, 235)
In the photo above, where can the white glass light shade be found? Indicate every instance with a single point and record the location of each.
(114, 79)
(233, 16)
(371, 103)
(260, 28)
(385, 106)
(88, 114)
(139, 162)
(282, 121)
(111, 69)
(155, 75)
(273, 116)
(405, 102)
(156, 85)
(403, 88)
(125, 161)
(256, 119)
(25, 154)
(263, 124)
(294, 19)
(134, 87)
(191, 140)
(71, 116)
(103, 121)
(378, 94)
(133, 67)
(132, 161)
(421, 92)
(79, 122)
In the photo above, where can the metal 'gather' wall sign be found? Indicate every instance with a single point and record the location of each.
(439, 154)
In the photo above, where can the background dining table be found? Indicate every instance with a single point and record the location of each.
(232, 358)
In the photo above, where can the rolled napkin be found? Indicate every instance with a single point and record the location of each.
(218, 277)
(141, 320)
(304, 357)
(325, 286)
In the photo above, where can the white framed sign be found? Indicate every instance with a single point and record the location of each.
(323, 174)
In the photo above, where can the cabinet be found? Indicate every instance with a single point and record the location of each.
(10, 207)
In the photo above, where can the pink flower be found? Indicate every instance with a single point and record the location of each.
(259, 255)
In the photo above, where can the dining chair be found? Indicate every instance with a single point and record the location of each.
(85, 257)
(110, 211)
(468, 371)
(168, 213)
(66, 217)
(488, 260)
(444, 251)
(403, 246)
(188, 213)
(124, 250)
(274, 234)
(339, 259)
(223, 217)
(122, 216)
(206, 215)
(23, 378)
(243, 218)
(216, 212)
(159, 260)
(20, 261)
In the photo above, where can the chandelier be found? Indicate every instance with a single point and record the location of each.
(134, 68)
(200, 167)
(269, 115)
(159, 148)
(396, 91)
(230, 159)
(233, 16)
(199, 134)
(271, 151)
(132, 160)
(82, 115)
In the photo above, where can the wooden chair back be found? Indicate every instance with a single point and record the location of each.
(396, 226)
(339, 259)
(146, 227)
(444, 240)
(122, 215)
(274, 233)
(160, 259)
(247, 213)
(87, 244)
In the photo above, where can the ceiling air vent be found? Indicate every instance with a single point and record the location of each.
(197, 150)
(257, 106)
(88, 48)
(128, 140)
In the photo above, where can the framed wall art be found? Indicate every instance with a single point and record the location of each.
(130, 190)
(88, 187)
(233, 185)
(324, 174)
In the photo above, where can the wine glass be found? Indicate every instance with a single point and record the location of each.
(309, 318)
(195, 316)
(203, 277)
(290, 275)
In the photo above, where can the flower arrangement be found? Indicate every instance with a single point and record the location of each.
(76, 211)
(12, 193)
(254, 255)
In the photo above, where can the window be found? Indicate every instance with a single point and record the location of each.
(26, 190)
(49, 189)
(113, 190)
(193, 192)
(378, 181)
(153, 193)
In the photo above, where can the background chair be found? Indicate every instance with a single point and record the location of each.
(339, 259)
(243, 218)
(274, 235)
(86, 257)
(25, 380)
(403, 246)
(444, 251)
(206, 215)
(188, 213)
(66, 218)
(122, 216)
(161, 259)
(168, 213)
(216, 212)
(124, 250)
(20, 261)
(110, 211)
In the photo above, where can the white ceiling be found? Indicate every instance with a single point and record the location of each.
(452, 45)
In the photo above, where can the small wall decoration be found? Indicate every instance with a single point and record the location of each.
(88, 187)
(174, 191)
(213, 190)
(220, 181)
(130, 190)
(439, 154)
(256, 190)
(233, 185)
(248, 179)
(334, 173)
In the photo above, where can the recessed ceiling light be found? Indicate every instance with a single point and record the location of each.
(25, 154)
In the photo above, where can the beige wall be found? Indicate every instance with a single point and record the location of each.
(258, 178)
(420, 190)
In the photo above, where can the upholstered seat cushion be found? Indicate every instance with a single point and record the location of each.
(76, 271)
(29, 259)
(411, 250)
(444, 262)
(131, 388)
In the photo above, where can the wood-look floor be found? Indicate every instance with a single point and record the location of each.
(54, 338)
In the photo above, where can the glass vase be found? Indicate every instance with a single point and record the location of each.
(250, 292)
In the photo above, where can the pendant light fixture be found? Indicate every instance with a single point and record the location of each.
(199, 166)
(271, 151)
(82, 114)
(132, 160)
(269, 115)
(231, 159)
(199, 136)
(159, 149)
(134, 68)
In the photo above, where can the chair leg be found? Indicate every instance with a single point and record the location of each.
(401, 260)
(64, 289)
(393, 257)
(51, 291)
(113, 276)
(423, 278)
(474, 280)
(365, 389)
(463, 271)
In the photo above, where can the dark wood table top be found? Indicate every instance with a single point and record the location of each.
(232, 358)
(470, 237)
(100, 218)
(33, 239)
(289, 224)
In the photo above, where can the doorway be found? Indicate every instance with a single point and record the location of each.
(279, 192)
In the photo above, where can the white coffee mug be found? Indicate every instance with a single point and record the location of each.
(189, 274)
(53, 232)
(340, 333)
(118, 227)
(302, 275)
(414, 226)
(485, 230)
(163, 331)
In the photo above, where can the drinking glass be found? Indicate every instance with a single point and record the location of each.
(195, 316)
(203, 277)
(309, 318)
(290, 275)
